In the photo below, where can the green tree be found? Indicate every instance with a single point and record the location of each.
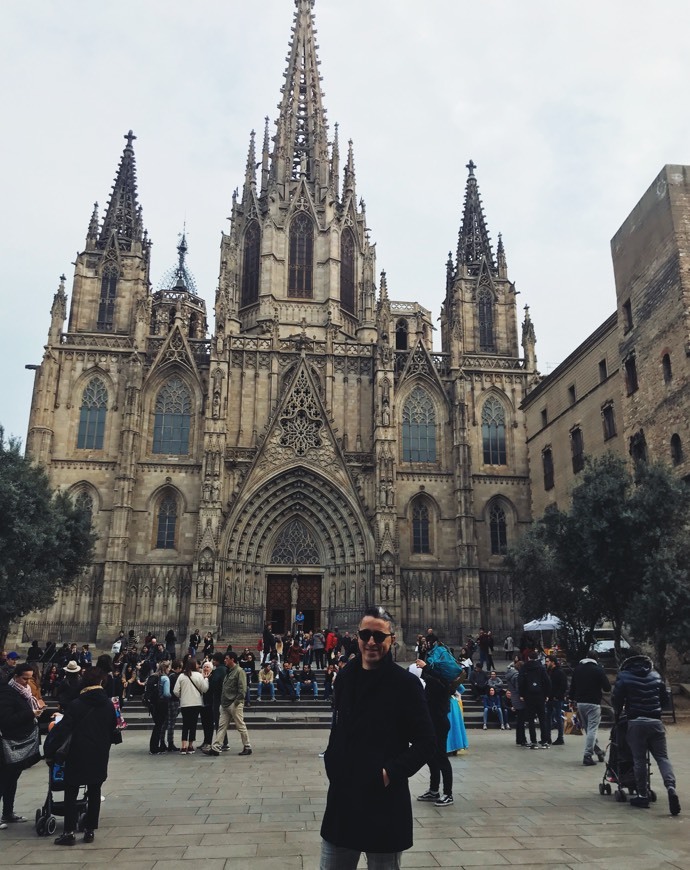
(45, 540)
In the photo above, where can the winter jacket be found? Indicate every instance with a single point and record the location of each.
(16, 716)
(234, 686)
(559, 683)
(380, 721)
(91, 721)
(639, 689)
(189, 689)
(512, 681)
(534, 684)
(588, 682)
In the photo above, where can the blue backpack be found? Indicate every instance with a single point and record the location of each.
(441, 661)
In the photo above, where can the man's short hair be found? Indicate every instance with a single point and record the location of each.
(218, 658)
(231, 655)
(93, 677)
(22, 668)
(378, 612)
(593, 654)
(533, 656)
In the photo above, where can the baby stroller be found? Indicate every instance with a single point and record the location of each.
(619, 771)
(46, 821)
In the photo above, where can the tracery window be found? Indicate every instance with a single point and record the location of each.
(498, 530)
(347, 271)
(301, 264)
(419, 427)
(401, 335)
(106, 305)
(421, 539)
(172, 420)
(494, 432)
(485, 312)
(167, 523)
(84, 502)
(301, 421)
(251, 264)
(295, 546)
(94, 405)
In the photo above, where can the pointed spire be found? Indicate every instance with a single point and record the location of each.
(501, 258)
(301, 143)
(529, 341)
(474, 244)
(349, 178)
(92, 233)
(122, 220)
(335, 163)
(59, 306)
(450, 271)
(179, 277)
(250, 171)
(265, 157)
(384, 287)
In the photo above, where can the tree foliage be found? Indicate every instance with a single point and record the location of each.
(45, 540)
(620, 553)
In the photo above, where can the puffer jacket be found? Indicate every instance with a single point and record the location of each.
(639, 689)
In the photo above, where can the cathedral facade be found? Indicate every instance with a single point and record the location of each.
(312, 452)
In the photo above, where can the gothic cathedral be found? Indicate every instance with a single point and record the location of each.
(314, 453)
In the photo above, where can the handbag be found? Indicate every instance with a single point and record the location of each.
(23, 751)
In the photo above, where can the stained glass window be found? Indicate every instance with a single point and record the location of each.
(167, 523)
(172, 421)
(301, 265)
(251, 264)
(420, 527)
(494, 432)
(106, 306)
(485, 307)
(347, 271)
(499, 535)
(94, 405)
(419, 427)
(295, 546)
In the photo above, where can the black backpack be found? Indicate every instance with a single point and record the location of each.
(152, 691)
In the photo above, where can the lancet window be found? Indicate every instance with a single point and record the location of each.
(419, 427)
(173, 418)
(94, 405)
(347, 271)
(301, 264)
(494, 432)
(251, 263)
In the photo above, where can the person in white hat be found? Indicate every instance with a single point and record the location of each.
(70, 686)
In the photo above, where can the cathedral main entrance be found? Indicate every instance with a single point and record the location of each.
(279, 595)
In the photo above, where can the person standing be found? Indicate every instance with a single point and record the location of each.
(319, 647)
(437, 692)
(641, 692)
(173, 705)
(19, 713)
(157, 694)
(381, 735)
(232, 706)
(554, 706)
(509, 647)
(268, 643)
(515, 701)
(535, 689)
(91, 721)
(189, 688)
(586, 687)
(171, 643)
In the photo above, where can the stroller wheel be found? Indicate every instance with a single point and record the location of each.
(620, 796)
(41, 827)
(607, 788)
(602, 789)
(51, 825)
(38, 816)
(652, 795)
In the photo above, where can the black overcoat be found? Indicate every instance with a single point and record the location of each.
(91, 720)
(381, 721)
(16, 716)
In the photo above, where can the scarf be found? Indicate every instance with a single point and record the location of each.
(26, 692)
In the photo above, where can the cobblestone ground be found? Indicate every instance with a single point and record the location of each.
(512, 807)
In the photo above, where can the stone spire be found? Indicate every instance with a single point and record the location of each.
(349, 179)
(265, 157)
(250, 171)
(92, 232)
(122, 223)
(335, 163)
(474, 244)
(529, 341)
(301, 141)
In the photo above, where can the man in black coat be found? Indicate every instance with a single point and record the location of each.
(586, 687)
(381, 735)
(535, 689)
(559, 689)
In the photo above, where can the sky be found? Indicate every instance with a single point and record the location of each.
(569, 110)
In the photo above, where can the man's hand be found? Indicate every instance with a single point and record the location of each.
(386, 778)
(421, 663)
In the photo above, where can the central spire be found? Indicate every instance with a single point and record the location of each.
(301, 141)
(474, 244)
(122, 222)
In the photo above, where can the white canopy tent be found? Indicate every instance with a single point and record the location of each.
(546, 623)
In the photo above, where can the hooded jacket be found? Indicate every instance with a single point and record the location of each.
(588, 683)
(91, 721)
(639, 689)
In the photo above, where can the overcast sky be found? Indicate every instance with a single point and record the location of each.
(569, 110)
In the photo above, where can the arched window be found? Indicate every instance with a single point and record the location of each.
(172, 314)
(251, 263)
(106, 305)
(401, 335)
(419, 427)
(676, 449)
(666, 365)
(94, 404)
(347, 271)
(494, 432)
(166, 523)
(421, 541)
(301, 266)
(485, 312)
(498, 530)
(84, 503)
(173, 415)
(193, 321)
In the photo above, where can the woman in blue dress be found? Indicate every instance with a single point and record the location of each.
(457, 735)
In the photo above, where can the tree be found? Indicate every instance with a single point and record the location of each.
(45, 540)
(621, 553)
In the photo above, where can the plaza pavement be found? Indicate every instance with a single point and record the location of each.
(512, 806)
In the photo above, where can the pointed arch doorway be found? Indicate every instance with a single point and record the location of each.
(297, 589)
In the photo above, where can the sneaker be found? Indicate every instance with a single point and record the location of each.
(600, 755)
(507, 726)
(559, 742)
(545, 745)
(444, 801)
(588, 761)
(2, 826)
(13, 818)
(322, 754)
(429, 795)
(213, 752)
(640, 801)
(65, 840)
(246, 751)
(673, 802)
(484, 727)
(226, 748)
(173, 748)
(503, 727)
(534, 746)
(89, 836)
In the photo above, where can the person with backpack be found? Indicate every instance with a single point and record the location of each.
(535, 689)
(157, 698)
(438, 693)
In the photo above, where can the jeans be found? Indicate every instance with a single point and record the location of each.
(262, 688)
(520, 738)
(173, 710)
(93, 807)
(190, 715)
(340, 858)
(540, 713)
(319, 655)
(206, 715)
(644, 734)
(314, 689)
(160, 718)
(439, 763)
(554, 716)
(590, 716)
(233, 713)
(498, 710)
(9, 777)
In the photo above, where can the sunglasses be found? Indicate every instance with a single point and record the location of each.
(365, 634)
